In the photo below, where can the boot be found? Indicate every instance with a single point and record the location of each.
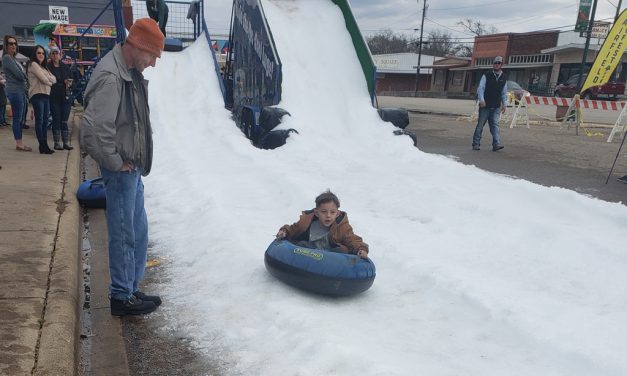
(148, 298)
(66, 140)
(45, 149)
(131, 306)
(56, 135)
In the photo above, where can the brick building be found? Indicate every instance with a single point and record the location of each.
(522, 53)
(396, 73)
(448, 81)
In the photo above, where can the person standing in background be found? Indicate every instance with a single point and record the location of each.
(3, 99)
(59, 100)
(116, 133)
(40, 81)
(15, 88)
(492, 95)
(158, 11)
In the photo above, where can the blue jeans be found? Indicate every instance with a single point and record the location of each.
(128, 231)
(3, 113)
(17, 108)
(60, 113)
(41, 107)
(492, 116)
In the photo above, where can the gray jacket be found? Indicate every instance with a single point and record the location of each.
(116, 125)
(14, 74)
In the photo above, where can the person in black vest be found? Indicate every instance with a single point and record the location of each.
(492, 95)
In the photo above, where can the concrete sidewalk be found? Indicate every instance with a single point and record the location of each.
(39, 257)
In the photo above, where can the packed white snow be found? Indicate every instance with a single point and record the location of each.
(477, 273)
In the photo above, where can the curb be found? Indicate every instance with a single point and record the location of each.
(58, 346)
(427, 112)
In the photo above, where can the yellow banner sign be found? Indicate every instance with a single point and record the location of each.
(610, 54)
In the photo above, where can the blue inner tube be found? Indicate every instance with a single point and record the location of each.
(92, 194)
(319, 271)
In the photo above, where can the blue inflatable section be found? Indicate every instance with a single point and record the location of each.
(319, 271)
(92, 194)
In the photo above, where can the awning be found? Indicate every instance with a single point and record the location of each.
(506, 66)
(449, 66)
(523, 66)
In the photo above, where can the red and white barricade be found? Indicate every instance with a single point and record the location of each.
(584, 104)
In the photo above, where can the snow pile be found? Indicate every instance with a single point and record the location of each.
(478, 274)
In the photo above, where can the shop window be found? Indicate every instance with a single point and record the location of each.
(457, 78)
(23, 32)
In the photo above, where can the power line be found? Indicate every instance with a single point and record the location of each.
(476, 6)
(446, 27)
(525, 19)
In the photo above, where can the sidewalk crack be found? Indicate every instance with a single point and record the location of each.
(61, 203)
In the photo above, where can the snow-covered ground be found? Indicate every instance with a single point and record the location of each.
(478, 274)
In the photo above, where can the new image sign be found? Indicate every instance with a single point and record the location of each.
(58, 14)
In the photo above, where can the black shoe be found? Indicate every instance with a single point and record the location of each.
(622, 179)
(57, 146)
(48, 150)
(24, 126)
(497, 147)
(475, 147)
(131, 306)
(67, 147)
(148, 298)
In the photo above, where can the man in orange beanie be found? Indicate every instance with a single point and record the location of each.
(116, 133)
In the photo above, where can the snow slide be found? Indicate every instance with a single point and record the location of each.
(478, 273)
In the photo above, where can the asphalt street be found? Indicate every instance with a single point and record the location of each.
(544, 155)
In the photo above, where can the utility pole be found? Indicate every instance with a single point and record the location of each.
(587, 45)
(583, 62)
(422, 27)
(617, 10)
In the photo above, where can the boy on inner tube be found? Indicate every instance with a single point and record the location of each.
(325, 227)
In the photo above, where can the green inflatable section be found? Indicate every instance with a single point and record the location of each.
(361, 47)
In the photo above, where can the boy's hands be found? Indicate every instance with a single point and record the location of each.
(281, 234)
(362, 253)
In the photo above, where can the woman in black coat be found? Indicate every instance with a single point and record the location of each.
(60, 105)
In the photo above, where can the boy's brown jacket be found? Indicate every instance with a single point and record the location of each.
(340, 233)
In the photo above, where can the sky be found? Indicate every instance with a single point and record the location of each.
(403, 16)
(477, 273)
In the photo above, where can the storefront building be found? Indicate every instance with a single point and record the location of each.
(396, 73)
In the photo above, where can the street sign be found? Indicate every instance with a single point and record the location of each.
(583, 15)
(58, 14)
(600, 29)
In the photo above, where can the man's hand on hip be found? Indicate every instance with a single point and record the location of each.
(127, 166)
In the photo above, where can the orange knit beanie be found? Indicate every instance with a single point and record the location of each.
(146, 35)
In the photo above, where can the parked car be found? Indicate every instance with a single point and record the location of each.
(517, 90)
(569, 88)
